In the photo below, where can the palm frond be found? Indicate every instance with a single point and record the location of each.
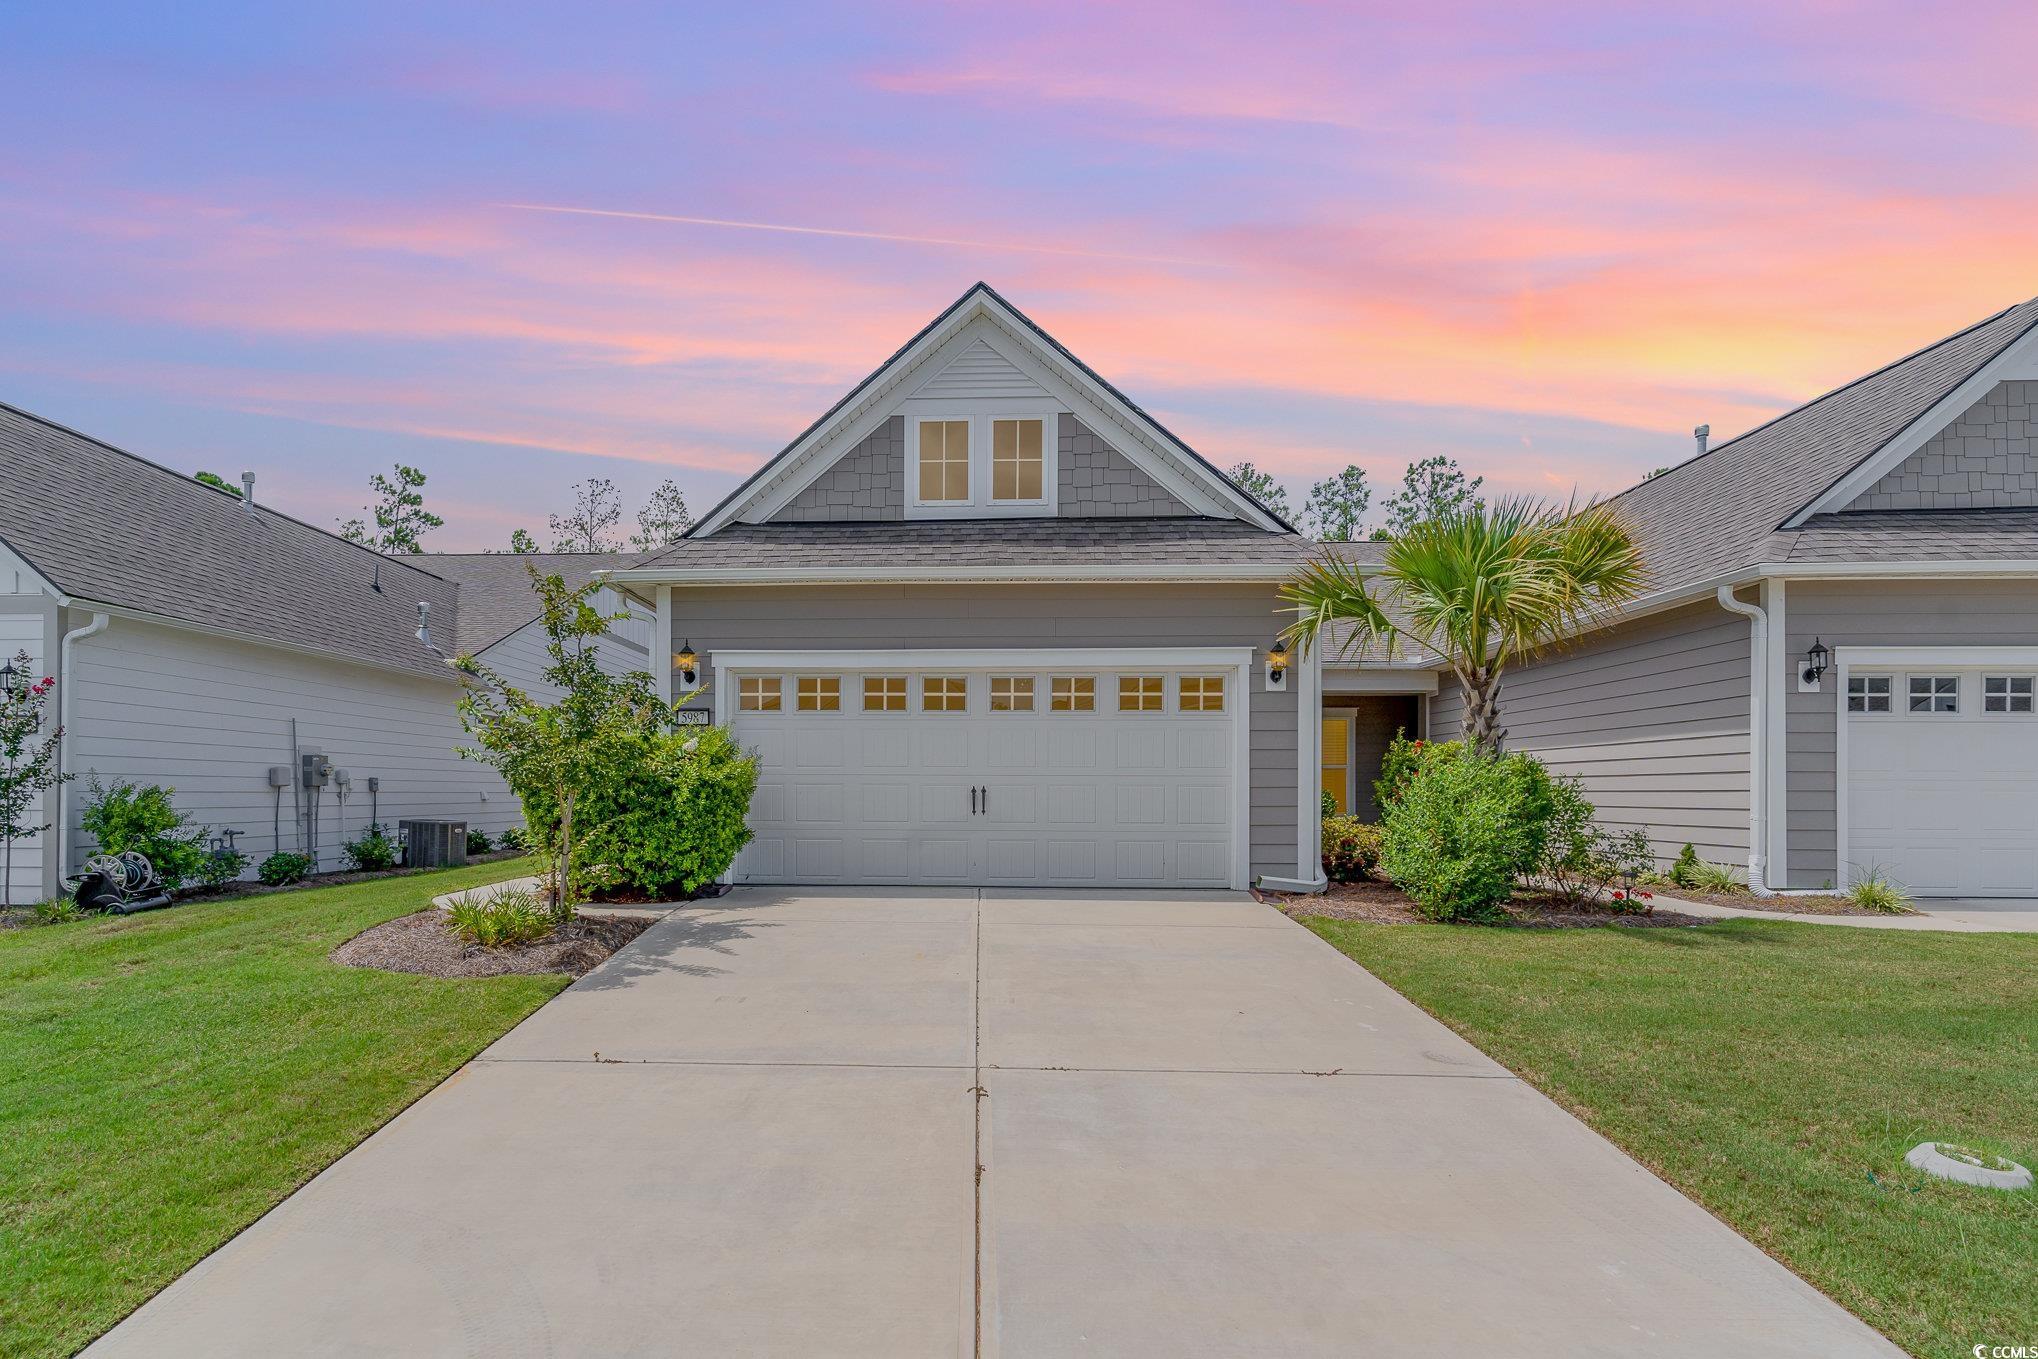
(1329, 591)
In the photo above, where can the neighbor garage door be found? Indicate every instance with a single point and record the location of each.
(1046, 772)
(1941, 772)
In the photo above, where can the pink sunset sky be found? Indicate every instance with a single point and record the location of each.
(1544, 240)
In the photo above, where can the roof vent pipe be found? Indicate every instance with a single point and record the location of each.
(1701, 434)
(247, 490)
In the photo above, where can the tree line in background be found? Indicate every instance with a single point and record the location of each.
(397, 522)
(1335, 511)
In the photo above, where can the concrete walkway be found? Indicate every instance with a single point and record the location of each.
(1948, 915)
(1030, 1125)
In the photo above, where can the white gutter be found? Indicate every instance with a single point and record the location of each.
(64, 708)
(1758, 729)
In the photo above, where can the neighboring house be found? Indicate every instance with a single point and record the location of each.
(199, 639)
(1892, 522)
(987, 622)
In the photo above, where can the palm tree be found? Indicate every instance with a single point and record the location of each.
(1478, 588)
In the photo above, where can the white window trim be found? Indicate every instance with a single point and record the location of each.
(980, 504)
(2006, 713)
(1897, 660)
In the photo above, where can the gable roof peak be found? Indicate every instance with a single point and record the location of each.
(1094, 400)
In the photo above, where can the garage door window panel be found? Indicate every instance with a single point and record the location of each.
(1073, 694)
(760, 694)
(820, 693)
(1011, 693)
(944, 694)
(2008, 694)
(1868, 694)
(884, 693)
(1200, 693)
(1142, 694)
(1934, 693)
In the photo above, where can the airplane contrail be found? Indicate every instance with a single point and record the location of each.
(857, 235)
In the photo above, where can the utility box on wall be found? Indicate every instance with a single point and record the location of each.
(434, 844)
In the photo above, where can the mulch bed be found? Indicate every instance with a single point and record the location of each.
(1748, 901)
(1386, 904)
(423, 944)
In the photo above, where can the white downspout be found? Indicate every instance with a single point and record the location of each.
(65, 676)
(1758, 735)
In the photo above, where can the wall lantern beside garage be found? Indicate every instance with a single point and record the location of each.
(1277, 664)
(10, 680)
(688, 660)
(1815, 663)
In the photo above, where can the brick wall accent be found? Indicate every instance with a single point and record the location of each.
(869, 482)
(1099, 482)
(1985, 459)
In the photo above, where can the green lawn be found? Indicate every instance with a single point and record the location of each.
(167, 1078)
(1766, 1068)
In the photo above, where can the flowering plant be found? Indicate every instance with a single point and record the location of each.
(28, 765)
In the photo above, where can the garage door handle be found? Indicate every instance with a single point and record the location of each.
(972, 799)
(987, 799)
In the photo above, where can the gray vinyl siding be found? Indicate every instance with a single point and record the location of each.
(1975, 612)
(521, 658)
(1652, 716)
(208, 716)
(887, 617)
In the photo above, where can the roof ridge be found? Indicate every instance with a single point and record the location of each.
(1806, 405)
(257, 506)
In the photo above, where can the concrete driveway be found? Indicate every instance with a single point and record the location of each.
(899, 1124)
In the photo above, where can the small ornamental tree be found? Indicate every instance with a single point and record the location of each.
(28, 763)
(612, 795)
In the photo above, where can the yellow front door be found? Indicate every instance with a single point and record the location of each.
(1337, 761)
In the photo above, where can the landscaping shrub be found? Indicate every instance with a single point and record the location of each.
(144, 819)
(374, 852)
(518, 839)
(1351, 848)
(1711, 877)
(220, 867)
(667, 815)
(478, 842)
(1464, 830)
(515, 915)
(1327, 804)
(1685, 867)
(1403, 760)
(1582, 860)
(284, 867)
(56, 911)
(1875, 892)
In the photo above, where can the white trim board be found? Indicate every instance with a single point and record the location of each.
(1107, 574)
(2018, 356)
(981, 315)
(1236, 661)
(1848, 658)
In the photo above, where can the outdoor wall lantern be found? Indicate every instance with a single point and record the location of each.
(1815, 662)
(1277, 664)
(687, 659)
(10, 680)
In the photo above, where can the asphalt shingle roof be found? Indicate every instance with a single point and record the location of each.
(1911, 535)
(495, 587)
(986, 542)
(1722, 510)
(108, 527)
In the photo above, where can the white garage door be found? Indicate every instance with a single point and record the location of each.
(1942, 776)
(1041, 774)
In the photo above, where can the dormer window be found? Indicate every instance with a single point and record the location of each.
(944, 462)
(981, 461)
(1016, 459)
